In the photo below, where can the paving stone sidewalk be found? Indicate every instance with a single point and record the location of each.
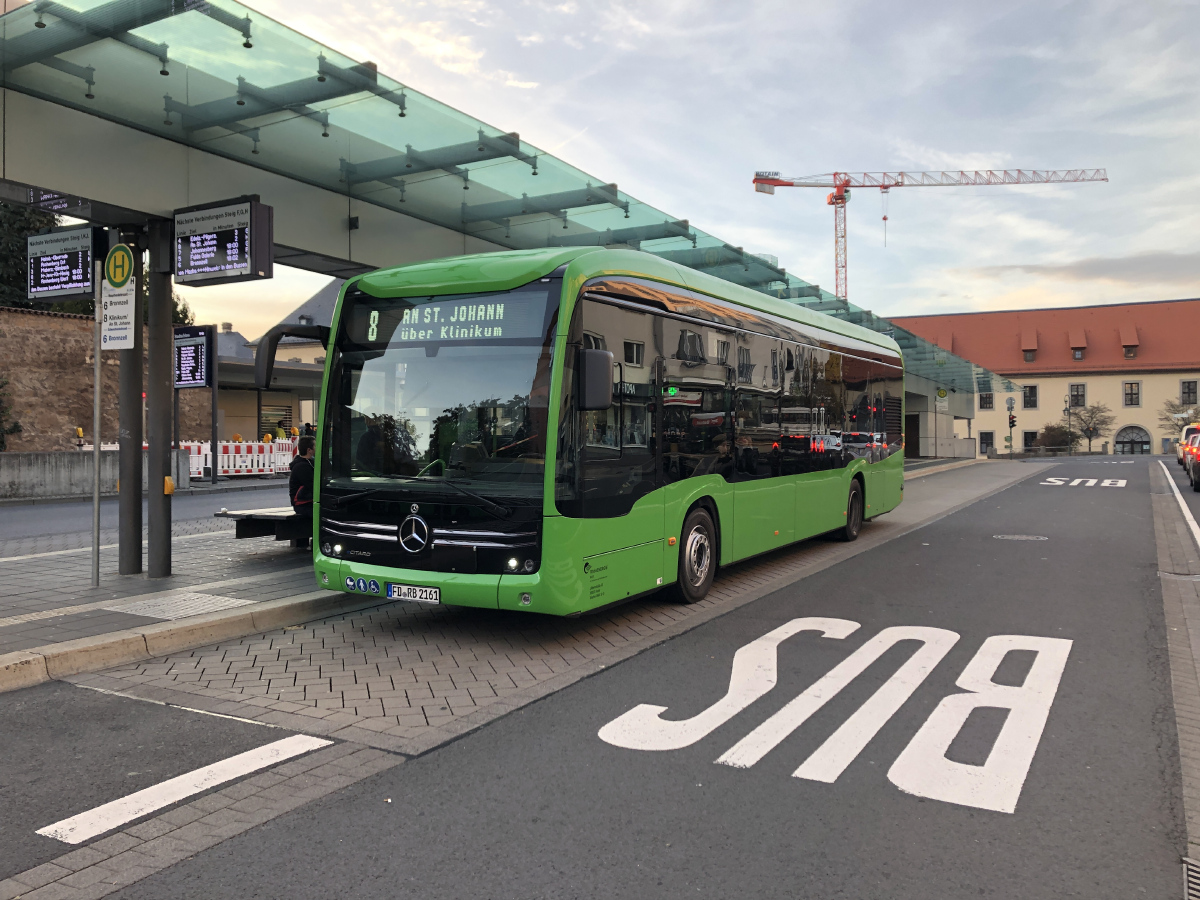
(47, 597)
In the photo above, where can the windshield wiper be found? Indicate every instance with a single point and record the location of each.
(500, 512)
(338, 501)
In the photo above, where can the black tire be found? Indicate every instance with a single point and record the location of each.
(854, 514)
(697, 557)
(1195, 481)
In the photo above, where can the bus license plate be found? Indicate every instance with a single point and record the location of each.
(414, 593)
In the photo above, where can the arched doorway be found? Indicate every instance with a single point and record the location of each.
(1132, 439)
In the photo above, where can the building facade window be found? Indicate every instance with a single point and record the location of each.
(1187, 392)
(1078, 395)
(1028, 440)
(1077, 353)
(1029, 398)
(1030, 355)
(987, 441)
(635, 353)
(1133, 393)
(1131, 352)
(987, 400)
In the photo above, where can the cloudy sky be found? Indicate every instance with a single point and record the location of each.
(680, 102)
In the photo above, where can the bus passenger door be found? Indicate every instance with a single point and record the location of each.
(765, 500)
(696, 458)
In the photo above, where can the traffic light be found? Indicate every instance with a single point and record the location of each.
(1012, 421)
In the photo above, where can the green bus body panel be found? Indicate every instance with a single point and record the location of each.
(591, 563)
(468, 274)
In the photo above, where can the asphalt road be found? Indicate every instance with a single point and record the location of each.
(539, 804)
(72, 518)
(66, 749)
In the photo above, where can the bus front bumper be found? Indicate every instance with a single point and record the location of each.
(518, 592)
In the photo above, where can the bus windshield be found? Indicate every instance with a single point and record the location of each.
(435, 389)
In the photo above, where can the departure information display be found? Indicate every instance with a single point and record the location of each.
(194, 348)
(212, 243)
(60, 264)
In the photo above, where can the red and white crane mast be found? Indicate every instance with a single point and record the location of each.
(841, 182)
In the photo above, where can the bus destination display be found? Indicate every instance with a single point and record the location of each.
(482, 319)
(223, 244)
(193, 351)
(60, 264)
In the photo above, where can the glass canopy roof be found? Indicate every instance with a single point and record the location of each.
(218, 76)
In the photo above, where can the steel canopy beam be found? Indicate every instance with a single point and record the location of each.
(553, 204)
(252, 101)
(78, 29)
(447, 159)
(632, 236)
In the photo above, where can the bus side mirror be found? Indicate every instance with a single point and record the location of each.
(595, 379)
(264, 354)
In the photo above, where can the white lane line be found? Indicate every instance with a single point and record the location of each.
(87, 825)
(192, 709)
(1187, 513)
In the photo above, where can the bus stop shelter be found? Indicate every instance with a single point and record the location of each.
(120, 112)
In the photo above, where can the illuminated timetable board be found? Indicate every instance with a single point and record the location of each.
(60, 264)
(194, 348)
(222, 244)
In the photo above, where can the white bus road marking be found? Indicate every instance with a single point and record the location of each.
(753, 675)
(1058, 481)
(831, 758)
(921, 768)
(87, 825)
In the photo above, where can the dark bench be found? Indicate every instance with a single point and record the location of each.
(281, 523)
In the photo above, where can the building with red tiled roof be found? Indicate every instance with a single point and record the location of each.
(1130, 357)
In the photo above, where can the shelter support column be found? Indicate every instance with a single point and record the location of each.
(130, 419)
(159, 390)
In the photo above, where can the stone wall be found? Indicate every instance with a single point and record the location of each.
(47, 359)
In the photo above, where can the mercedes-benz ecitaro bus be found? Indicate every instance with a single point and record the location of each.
(560, 430)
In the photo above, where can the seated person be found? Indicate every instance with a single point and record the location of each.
(300, 484)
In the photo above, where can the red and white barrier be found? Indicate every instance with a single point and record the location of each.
(238, 458)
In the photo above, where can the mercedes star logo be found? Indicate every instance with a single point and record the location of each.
(414, 534)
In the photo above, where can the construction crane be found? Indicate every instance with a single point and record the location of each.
(841, 182)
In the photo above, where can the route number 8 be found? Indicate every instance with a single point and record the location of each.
(374, 329)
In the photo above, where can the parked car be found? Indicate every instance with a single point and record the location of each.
(1191, 452)
(1188, 431)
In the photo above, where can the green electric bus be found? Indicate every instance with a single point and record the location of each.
(560, 430)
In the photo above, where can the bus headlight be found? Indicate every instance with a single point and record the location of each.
(529, 564)
(327, 549)
(513, 563)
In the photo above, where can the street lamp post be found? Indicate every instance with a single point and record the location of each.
(1067, 410)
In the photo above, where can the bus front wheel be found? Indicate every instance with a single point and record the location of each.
(697, 557)
(854, 513)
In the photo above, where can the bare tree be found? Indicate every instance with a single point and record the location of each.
(1174, 415)
(1091, 422)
